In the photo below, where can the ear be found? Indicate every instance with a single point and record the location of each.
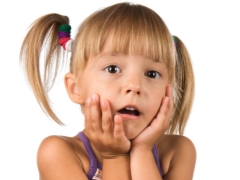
(72, 88)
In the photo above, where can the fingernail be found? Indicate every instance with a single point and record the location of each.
(94, 96)
(167, 100)
(103, 103)
(88, 101)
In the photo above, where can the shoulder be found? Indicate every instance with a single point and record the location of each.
(177, 154)
(53, 146)
(174, 145)
(176, 141)
(59, 157)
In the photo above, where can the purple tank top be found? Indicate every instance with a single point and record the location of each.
(96, 168)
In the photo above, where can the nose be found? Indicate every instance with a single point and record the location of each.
(133, 85)
(133, 90)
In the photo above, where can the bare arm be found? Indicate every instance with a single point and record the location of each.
(117, 168)
(143, 165)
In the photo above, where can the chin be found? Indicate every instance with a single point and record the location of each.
(131, 131)
(131, 134)
(130, 137)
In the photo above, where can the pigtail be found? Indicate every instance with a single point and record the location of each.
(43, 32)
(184, 87)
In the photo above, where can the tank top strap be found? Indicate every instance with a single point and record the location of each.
(94, 164)
(156, 157)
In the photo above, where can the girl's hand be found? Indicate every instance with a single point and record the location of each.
(149, 136)
(104, 133)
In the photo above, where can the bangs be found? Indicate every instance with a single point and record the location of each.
(129, 29)
(136, 33)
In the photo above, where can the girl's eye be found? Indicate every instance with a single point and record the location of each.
(152, 74)
(112, 69)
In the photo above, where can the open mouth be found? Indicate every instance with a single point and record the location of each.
(129, 111)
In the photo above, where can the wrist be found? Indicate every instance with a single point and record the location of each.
(137, 153)
(115, 156)
(141, 149)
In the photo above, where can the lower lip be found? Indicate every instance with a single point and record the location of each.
(128, 116)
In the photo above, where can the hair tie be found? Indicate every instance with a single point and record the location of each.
(65, 41)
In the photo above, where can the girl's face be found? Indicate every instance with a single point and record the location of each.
(133, 85)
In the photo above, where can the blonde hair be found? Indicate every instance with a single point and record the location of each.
(135, 29)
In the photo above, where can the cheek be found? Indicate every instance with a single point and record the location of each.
(155, 108)
(156, 102)
(96, 88)
(92, 83)
(88, 87)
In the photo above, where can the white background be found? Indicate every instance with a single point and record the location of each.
(210, 30)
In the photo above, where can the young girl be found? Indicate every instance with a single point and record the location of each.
(134, 83)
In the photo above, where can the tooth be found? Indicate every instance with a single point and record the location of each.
(130, 108)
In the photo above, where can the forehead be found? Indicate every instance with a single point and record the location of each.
(122, 43)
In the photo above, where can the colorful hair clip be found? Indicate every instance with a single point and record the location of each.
(175, 40)
(65, 41)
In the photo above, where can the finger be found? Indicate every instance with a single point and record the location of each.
(107, 124)
(164, 108)
(168, 90)
(87, 116)
(118, 128)
(95, 114)
(162, 119)
(170, 103)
